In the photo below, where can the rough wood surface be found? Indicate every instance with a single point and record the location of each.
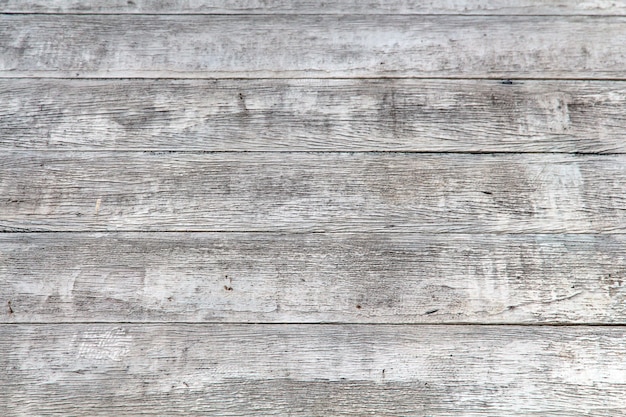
(328, 115)
(473, 260)
(317, 46)
(234, 370)
(483, 7)
(99, 191)
(349, 278)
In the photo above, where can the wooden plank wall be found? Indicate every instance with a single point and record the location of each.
(297, 208)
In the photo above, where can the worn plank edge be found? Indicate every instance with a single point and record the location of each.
(168, 75)
(523, 7)
(316, 323)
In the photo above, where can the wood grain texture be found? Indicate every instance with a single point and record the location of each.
(320, 115)
(154, 191)
(350, 278)
(230, 370)
(472, 260)
(482, 7)
(312, 46)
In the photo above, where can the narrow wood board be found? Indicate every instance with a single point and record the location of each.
(319, 115)
(297, 278)
(234, 370)
(156, 191)
(312, 46)
(481, 7)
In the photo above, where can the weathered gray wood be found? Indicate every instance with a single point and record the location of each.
(275, 115)
(98, 191)
(542, 7)
(312, 46)
(146, 323)
(233, 370)
(349, 278)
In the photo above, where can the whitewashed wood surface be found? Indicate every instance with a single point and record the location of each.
(313, 114)
(305, 208)
(324, 46)
(311, 278)
(296, 370)
(480, 7)
(305, 191)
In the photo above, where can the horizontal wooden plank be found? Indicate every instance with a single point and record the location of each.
(497, 7)
(321, 115)
(230, 370)
(313, 46)
(342, 278)
(132, 191)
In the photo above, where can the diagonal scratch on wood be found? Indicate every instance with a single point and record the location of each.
(555, 300)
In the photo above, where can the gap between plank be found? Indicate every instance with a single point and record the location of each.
(283, 14)
(501, 80)
(295, 323)
(346, 151)
(397, 230)
(192, 76)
